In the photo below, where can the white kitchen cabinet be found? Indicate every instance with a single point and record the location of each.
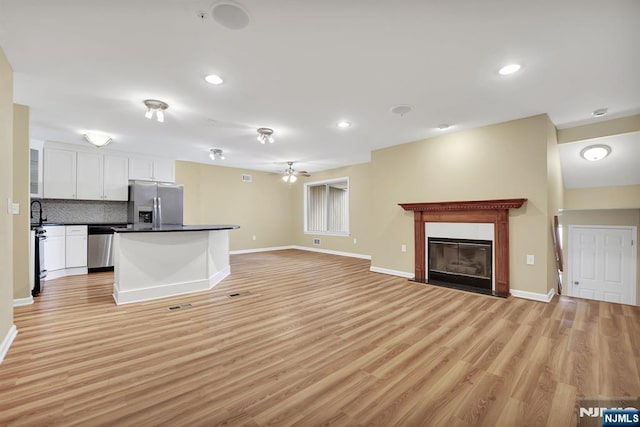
(59, 174)
(102, 177)
(54, 248)
(116, 178)
(90, 176)
(35, 169)
(147, 169)
(75, 246)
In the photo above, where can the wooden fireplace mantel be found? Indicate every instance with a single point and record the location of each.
(481, 211)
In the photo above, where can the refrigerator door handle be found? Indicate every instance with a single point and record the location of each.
(159, 223)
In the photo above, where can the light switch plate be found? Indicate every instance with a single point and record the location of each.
(530, 259)
(15, 208)
(403, 248)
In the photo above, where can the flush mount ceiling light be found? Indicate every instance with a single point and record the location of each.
(99, 140)
(509, 69)
(443, 127)
(155, 106)
(214, 79)
(264, 135)
(600, 112)
(595, 152)
(216, 154)
(343, 124)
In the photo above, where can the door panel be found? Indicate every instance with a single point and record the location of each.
(603, 264)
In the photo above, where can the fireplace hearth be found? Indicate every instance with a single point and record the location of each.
(460, 262)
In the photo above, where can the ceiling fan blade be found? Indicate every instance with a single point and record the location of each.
(303, 173)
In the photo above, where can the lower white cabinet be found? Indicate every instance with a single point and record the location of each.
(65, 250)
(76, 246)
(54, 248)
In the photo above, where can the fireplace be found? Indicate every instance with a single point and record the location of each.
(465, 262)
(494, 212)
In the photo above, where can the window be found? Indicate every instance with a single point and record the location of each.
(326, 207)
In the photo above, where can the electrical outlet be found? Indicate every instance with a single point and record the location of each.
(530, 259)
(316, 241)
(355, 240)
(403, 248)
(254, 237)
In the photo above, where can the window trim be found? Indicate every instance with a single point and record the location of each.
(305, 196)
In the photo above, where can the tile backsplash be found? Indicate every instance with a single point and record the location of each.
(78, 211)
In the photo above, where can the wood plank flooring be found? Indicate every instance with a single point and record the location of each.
(317, 340)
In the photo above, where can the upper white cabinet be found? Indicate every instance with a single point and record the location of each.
(90, 177)
(146, 169)
(116, 178)
(85, 176)
(59, 174)
(102, 177)
(35, 169)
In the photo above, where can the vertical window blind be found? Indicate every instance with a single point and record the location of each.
(327, 207)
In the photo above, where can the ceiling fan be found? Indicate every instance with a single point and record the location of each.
(291, 175)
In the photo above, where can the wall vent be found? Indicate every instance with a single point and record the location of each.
(247, 178)
(316, 241)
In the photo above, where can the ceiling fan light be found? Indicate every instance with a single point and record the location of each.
(270, 139)
(149, 113)
(286, 178)
(160, 116)
(292, 178)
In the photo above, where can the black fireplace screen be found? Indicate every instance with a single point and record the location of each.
(460, 262)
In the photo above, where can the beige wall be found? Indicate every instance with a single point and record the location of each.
(506, 160)
(622, 197)
(359, 211)
(216, 195)
(555, 187)
(600, 129)
(21, 241)
(630, 217)
(6, 188)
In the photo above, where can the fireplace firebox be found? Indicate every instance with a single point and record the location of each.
(463, 262)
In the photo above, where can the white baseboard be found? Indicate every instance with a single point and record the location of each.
(250, 251)
(169, 290)
(301, 248)
(332, 252)
(17, 302)
(533, 295)
(404, 274)
(6, 342)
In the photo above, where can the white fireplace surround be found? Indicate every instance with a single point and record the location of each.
(462, 230)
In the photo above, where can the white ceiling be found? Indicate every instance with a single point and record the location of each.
(301, 66)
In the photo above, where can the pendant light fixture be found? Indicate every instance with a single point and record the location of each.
(155, 106)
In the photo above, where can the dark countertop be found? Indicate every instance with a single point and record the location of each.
(147, 228)
(47, 224)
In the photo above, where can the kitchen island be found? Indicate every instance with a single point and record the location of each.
(158, 262)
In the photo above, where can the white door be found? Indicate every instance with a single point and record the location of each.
(603, 263)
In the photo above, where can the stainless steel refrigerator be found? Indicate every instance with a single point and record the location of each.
(155, 203)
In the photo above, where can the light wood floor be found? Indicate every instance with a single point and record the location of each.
(317, 340)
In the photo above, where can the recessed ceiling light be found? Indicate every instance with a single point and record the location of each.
(600, 112)
(595, 152)
(509, 69)
(214, 79)
(443, 127)
(344, 124)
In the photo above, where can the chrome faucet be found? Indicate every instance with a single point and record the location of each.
(40, 218)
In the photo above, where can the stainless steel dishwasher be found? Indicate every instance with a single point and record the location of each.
(100, 247)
